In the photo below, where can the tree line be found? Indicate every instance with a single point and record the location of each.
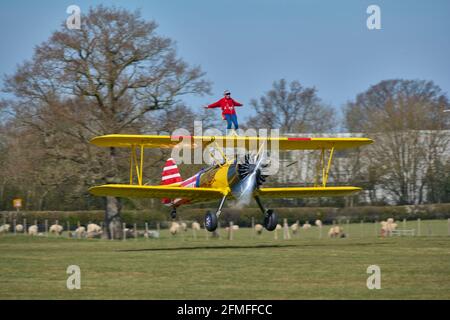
(118, 75)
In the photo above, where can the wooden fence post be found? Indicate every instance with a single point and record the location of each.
(206, 232)
(418, 227)
(375, 227)
(14, 226)
(230, 231)
(253, 228)
(348, 228)
(362, 228)
(146, 230)
(404, 224)
(68, 228)
(286, 235)
(135, 232)
(25, 230)
(194, 233)
(124, 232)
(46, 227)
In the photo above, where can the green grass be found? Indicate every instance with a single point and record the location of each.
(259, 267)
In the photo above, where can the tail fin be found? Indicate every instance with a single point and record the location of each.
(170, 175)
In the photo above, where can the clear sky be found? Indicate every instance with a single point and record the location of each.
(245, 45)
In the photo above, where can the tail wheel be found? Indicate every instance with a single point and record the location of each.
(210, 221)
(270, 220)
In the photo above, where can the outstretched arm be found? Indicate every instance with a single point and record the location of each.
(214, 105)
(237, 104)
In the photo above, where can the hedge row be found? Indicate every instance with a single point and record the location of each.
(243, 217)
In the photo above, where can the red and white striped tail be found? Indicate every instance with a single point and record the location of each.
(170, 175)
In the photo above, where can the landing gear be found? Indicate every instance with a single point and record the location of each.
(173, 213)
(211, 219)
(270, 220)
(270, 217)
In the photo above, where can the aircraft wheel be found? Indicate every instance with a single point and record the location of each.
(270, 220)
(210, 221)
(173, 213)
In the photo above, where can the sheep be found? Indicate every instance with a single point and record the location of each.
(258, 228)
(174, 228)
(336, 232)
(4, 228)
(19, 228)
(195, 226)
(387, 227)
(295, 228)
(80, 232)
(56, 228)
(278, 227)
(33, 230)
(151, 234)
(306, 226)
(92, 227)
(318, 223)
(183, 226)
(234, 227)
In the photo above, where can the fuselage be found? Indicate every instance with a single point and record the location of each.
(218, 176)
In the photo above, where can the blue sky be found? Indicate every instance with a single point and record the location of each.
(245, 45)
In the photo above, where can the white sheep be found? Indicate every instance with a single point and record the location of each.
(56, 228)
(318, 223)
(80, 232)
(174, 228)
(336, 232)
(258, 228)
(195, 226)
(278, 227)
(387, 227)
(33, 230)
(183, 226)
(19, 228)
(93, 228)
(234, 227)
(4, 228)
(295, 228)
(306, 226)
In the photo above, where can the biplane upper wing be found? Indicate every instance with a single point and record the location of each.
(305, 192)
(283, 143)
(136, 191)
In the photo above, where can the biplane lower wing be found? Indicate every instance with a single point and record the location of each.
(206, 194)
(135, 191)
(303, 192)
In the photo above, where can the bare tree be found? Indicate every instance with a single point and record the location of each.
(406, 120)
(291, 108)
(105, 78)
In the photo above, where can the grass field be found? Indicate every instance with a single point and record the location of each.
(247, 267)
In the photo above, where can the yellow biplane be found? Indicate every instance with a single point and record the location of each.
(225, 179)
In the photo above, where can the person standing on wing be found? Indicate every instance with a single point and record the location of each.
(227, 105)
